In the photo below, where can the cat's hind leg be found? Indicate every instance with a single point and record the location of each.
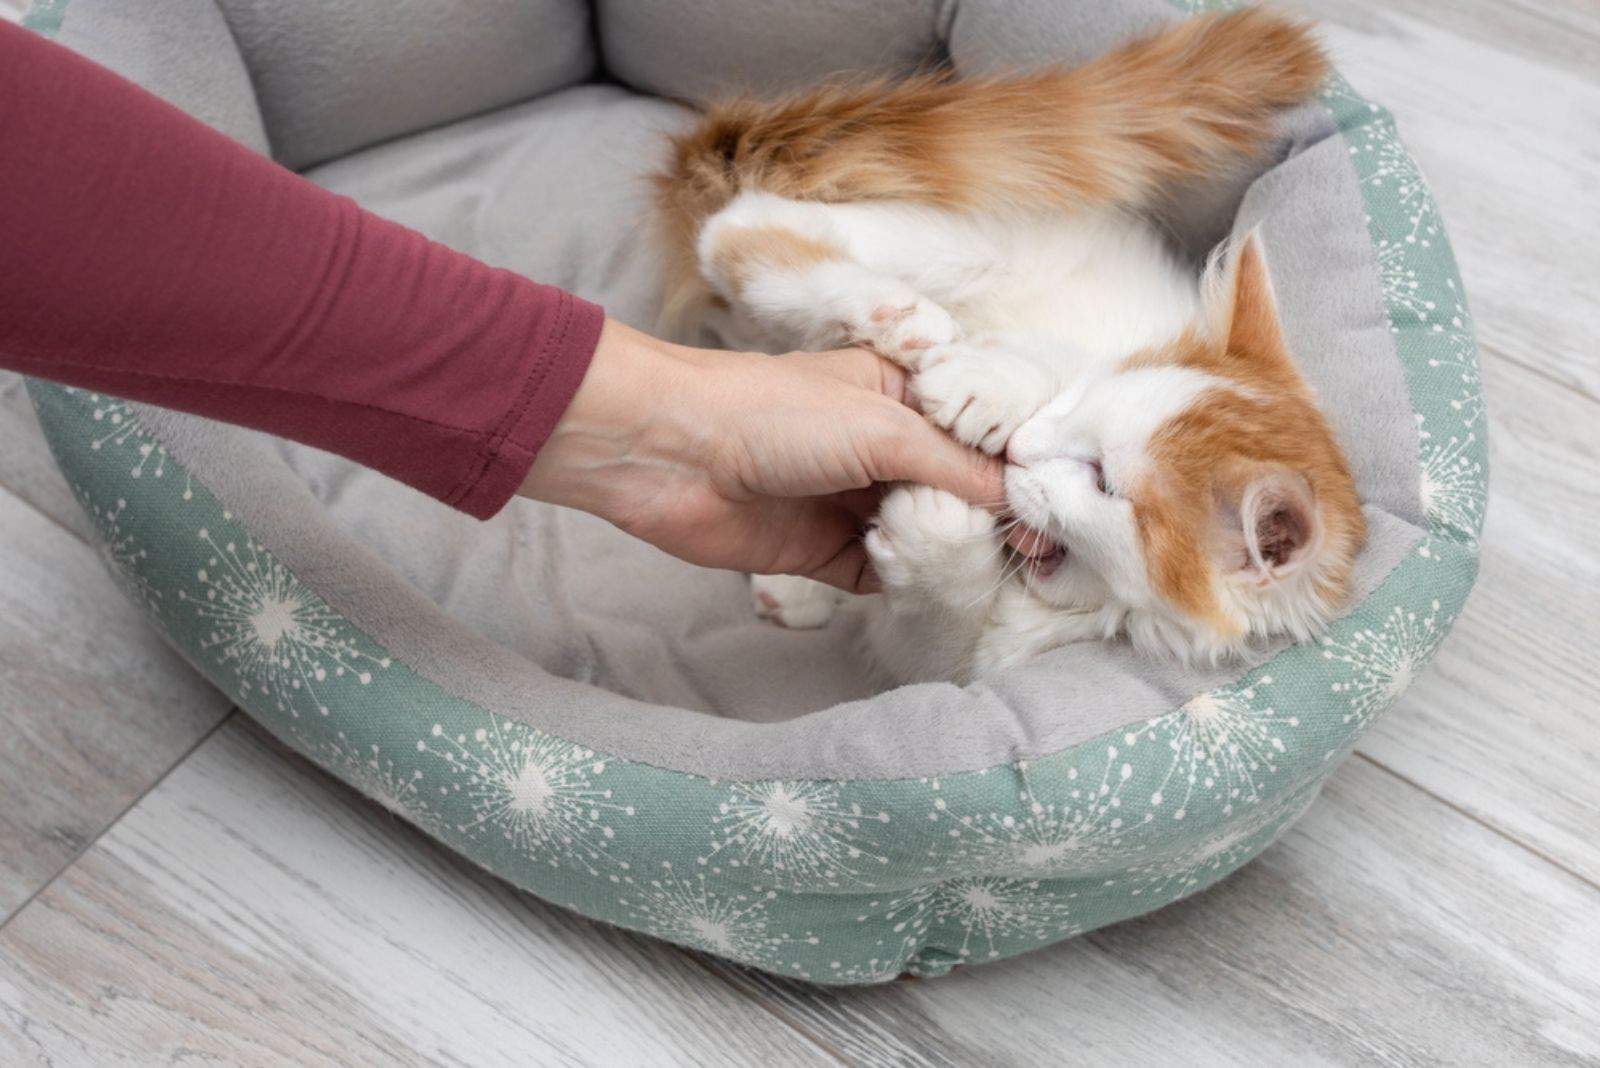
(785, 265)
(792, 601)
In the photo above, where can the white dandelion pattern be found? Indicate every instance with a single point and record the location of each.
(1200, 861)
(391, 784)
(695, 912)
(1079, 833)
(1455, 354)
(1338, 95)
(1383, 163)
(798, 834)
(544, 796)
(274, 633)
(118, 424)
(1452, 484)
(1222, 746)
(859, 973)
(1402, 289)
(1382, 662)
(123, 553)
(980, 916)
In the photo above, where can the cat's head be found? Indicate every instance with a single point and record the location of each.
(1195, 491)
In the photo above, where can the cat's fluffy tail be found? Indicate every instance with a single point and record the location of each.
(1116, 131)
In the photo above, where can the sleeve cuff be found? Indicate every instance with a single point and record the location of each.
(559, 363)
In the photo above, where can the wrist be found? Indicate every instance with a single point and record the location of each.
(625, 419)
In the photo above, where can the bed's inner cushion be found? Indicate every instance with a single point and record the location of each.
(555, 189)
(334, 77)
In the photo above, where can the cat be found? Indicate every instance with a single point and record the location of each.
(993, 237)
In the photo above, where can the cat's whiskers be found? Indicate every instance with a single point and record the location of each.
(1007, 573)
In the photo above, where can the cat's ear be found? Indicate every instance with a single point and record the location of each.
(1241, 309)
(1277, 527)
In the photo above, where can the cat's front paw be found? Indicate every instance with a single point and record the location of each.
(906, 332)
(980, 397)
(899, 324)
(925, 538)
(793, 602)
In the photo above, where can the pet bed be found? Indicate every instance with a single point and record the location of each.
(612, 729)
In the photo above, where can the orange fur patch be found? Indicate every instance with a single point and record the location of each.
(1118, 131)
(1205, 458)
(740, 250)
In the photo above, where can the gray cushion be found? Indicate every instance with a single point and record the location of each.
(700, 49)
(332, 77)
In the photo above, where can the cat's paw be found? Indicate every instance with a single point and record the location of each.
(929, 539)
(980, 397)
(793, 602)
(899, 324)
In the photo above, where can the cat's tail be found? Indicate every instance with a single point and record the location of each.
(1116, 131)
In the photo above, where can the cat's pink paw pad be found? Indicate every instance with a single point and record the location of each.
(889, 314)
(791, 602)
(903, 331)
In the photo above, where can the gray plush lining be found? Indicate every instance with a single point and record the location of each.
(555, 619)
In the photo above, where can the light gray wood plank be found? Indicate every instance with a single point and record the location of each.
(93, 704)
(1506, 723)
(1555, 33)
(1385, 928)
(26, 466)
(251, 910)
(1510, 145)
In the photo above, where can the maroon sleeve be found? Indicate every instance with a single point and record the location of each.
(145, 255)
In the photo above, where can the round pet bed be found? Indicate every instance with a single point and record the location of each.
(613, 730)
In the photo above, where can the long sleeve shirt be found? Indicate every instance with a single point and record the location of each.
(145, 255)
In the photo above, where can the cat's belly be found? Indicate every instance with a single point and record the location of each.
(1085, 317)
(1103, 285)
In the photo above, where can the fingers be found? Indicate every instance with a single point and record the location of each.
(917, 452)
(823, 542)
(848, 570)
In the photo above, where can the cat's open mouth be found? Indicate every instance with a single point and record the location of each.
(1048, 563)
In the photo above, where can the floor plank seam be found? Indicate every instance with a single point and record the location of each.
(1481, 822)
(22, 906)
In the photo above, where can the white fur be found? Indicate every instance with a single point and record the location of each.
(1015, 327)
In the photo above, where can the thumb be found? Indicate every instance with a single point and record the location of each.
(920, 453)
(928, 456)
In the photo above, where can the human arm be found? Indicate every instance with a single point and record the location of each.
(147, 256)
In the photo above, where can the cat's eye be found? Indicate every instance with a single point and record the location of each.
(1100, 482)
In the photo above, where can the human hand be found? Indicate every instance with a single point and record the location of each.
(745, 461)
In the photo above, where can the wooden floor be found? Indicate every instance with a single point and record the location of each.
(174, 886)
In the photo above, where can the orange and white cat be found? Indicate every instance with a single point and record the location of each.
(990, 236)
